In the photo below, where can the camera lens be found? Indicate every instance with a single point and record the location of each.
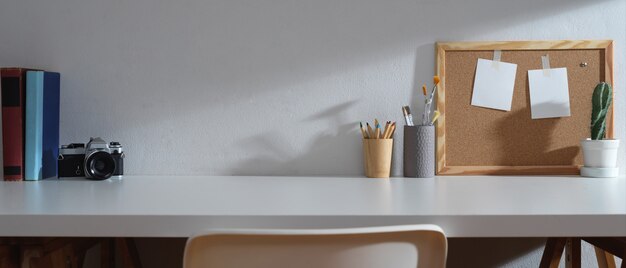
(100, 165)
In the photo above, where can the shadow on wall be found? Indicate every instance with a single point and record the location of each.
(328, 154)
(424, 64)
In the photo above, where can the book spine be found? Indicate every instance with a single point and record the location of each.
(1, 140)
(51, 110)
(13, 123)
(34, 126)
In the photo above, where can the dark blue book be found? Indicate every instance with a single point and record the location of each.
(51, 115)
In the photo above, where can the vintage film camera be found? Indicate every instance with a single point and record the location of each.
(98, 160)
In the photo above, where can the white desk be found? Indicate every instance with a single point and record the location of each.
(172, 206)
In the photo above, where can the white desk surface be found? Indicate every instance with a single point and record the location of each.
(175, 206)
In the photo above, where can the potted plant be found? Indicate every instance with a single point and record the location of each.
(599, 153)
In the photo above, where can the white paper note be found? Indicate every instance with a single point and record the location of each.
(493, 84)
(549, 93)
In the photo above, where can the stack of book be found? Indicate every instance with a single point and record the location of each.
(30, 124)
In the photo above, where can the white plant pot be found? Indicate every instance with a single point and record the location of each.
(600, 153)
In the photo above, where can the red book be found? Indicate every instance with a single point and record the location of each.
(13, 93)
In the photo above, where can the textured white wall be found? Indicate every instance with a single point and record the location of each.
(259, 86)
(263, 87)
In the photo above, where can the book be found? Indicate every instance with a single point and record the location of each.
(13, 85)
(42, 125)
(34, 125)
(51, 115)
(1, 161)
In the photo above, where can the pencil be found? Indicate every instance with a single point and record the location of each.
(362, 130)
(378, 131)
(393, 130)
(387, 128)
(369, 130)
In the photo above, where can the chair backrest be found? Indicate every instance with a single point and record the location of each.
(405, 246)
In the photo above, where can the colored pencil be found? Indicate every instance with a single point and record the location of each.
(362, 130)
(369, 130)
(387, 128)
(393, 129)
(377, 131)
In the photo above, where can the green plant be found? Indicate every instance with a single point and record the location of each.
(600, 101)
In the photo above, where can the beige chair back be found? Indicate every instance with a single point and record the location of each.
(406, 246)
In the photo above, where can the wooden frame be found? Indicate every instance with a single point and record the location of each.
(442, 48)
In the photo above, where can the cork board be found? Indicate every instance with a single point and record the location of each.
(474, 140)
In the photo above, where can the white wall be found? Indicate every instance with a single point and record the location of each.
(259, 86)
(263, 87)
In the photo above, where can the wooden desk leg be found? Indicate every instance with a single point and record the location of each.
(572, 253)
(78, 250)
(605, 259)
(33, 258)
(107, 253)
(8, 257)
(28, 255)
(128, 251)
(552, 252)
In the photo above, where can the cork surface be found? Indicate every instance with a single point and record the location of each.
(476, 136)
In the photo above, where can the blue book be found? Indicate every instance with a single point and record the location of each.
(42, 125)
(51, 115)
(34, 126)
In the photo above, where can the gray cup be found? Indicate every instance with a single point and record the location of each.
(419, 151)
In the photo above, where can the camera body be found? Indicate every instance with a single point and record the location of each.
(98, 160)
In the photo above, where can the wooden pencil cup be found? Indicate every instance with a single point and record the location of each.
(377, 153)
